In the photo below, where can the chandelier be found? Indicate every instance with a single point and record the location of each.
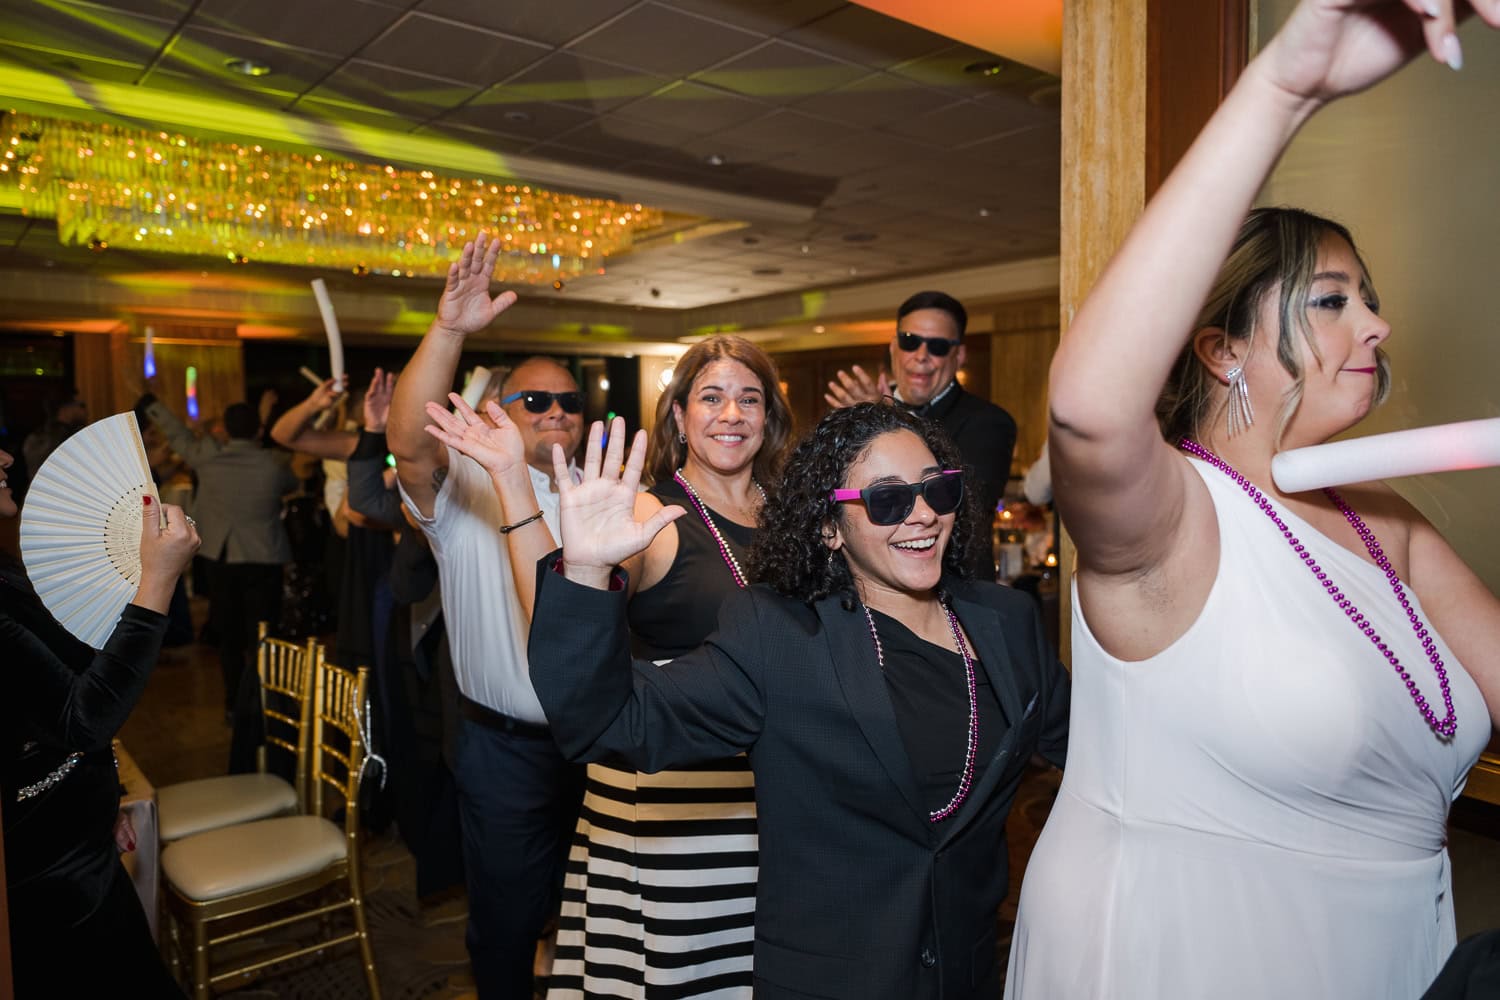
(108, 185)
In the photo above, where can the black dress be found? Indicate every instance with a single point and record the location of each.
(659, 897)
(76, 924)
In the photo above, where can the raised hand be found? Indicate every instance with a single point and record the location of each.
(599, 529)
(856, 386)
(168, 541)
(377, 407)
(324, 396)
(498, 448)
(1329, 48)
(466, 306)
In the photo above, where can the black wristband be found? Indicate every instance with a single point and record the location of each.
(506, 529)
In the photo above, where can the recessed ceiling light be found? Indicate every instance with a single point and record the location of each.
(517, 116)
(750, 241)
(819, 328)
(246, 67)
(714, 160)
(984, 213)
(986, 67)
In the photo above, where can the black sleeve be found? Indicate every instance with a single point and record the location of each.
(81, 710)
(1056, 689)
(704, 705)
(367, 493)
(413, 569)
(988, 440)
(371, 444)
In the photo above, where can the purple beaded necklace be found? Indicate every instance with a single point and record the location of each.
(713, 529)
(967, 779)
(1445, 727)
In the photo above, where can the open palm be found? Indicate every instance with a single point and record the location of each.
(599, 529)
(498, 448)
(466, 306)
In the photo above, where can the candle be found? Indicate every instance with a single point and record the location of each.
(1470, 444)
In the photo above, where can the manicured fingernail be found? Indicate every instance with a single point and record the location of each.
(1431, 8)
(146, 500)
(1453, 53)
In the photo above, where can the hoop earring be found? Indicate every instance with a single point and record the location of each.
(1239, 415)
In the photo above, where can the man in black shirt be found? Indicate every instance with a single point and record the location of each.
(926, 354)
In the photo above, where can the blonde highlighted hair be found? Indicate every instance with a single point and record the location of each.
(1276, 251)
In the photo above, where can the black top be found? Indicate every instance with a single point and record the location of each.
(930, 694)
(682, 608)
(62, 697)
(985, 436)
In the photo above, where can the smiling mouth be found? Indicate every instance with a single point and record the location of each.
(728, 438)
(1361, 371)
(916, 544)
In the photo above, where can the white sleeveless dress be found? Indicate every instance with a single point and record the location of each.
(1258, 811)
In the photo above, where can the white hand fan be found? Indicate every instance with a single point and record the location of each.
(81, 526)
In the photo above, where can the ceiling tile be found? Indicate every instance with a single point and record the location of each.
(771, 17)
(381, 87)
(538, 121)
(964, 123)
(201, 55)
(337, 26)
(864, 36)
(71, 66)
(335, 111)
(553, 22)
(875, 100)
(664, 41)
(783, 131)
(169, 10)
(948, 70)
(578, 81)
(443, 48)
(695, 108)
(853, 153)
(781, 73)
(93, 33)
(617, 138)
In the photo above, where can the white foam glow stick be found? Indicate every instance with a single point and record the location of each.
(330, 327)
(149, 367)
(1470, 444)
(478, 381)
(311, 375)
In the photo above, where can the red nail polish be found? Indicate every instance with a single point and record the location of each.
(146, 500)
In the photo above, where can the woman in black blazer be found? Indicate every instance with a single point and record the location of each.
(888, 705)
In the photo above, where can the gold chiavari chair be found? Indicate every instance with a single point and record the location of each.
(275, 864)
(189, 807)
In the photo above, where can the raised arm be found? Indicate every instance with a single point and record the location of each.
(295, 428)
(1120, 488)
(193, 450)
(465, 308)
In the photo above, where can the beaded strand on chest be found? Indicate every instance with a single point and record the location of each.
(713, 529)
(1445, 727)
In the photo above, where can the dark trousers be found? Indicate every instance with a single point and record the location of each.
(518, 803)
(241, 595)
(107, 954)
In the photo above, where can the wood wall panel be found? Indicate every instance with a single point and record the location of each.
(214, 350)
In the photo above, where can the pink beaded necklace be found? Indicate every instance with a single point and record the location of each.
(967, 778)
(1445, 727)
(713, 529)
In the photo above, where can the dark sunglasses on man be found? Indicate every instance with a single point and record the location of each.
(890, 503)
(936, 346)
(539, 401)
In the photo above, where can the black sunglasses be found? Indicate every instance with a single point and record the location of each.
(538, 401)
(889, 503)
(938, 347)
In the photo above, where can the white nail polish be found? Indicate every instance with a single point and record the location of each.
(1453, 53)
(1431, 7)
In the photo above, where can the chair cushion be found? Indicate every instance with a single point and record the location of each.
(195, 806)
(235, 859)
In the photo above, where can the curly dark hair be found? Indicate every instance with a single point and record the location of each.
(789, 553)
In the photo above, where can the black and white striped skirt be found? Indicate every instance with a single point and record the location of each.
(659, 897)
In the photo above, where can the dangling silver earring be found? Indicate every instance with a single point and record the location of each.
(1239, 415)
(681, 438)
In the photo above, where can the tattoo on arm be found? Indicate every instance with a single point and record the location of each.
(438, 476)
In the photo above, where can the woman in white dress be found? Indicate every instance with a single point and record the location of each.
(1276, 696)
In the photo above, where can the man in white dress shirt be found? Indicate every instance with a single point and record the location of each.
(518, 798)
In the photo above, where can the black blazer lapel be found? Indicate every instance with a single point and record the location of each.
(853, 655)
(982, 625)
